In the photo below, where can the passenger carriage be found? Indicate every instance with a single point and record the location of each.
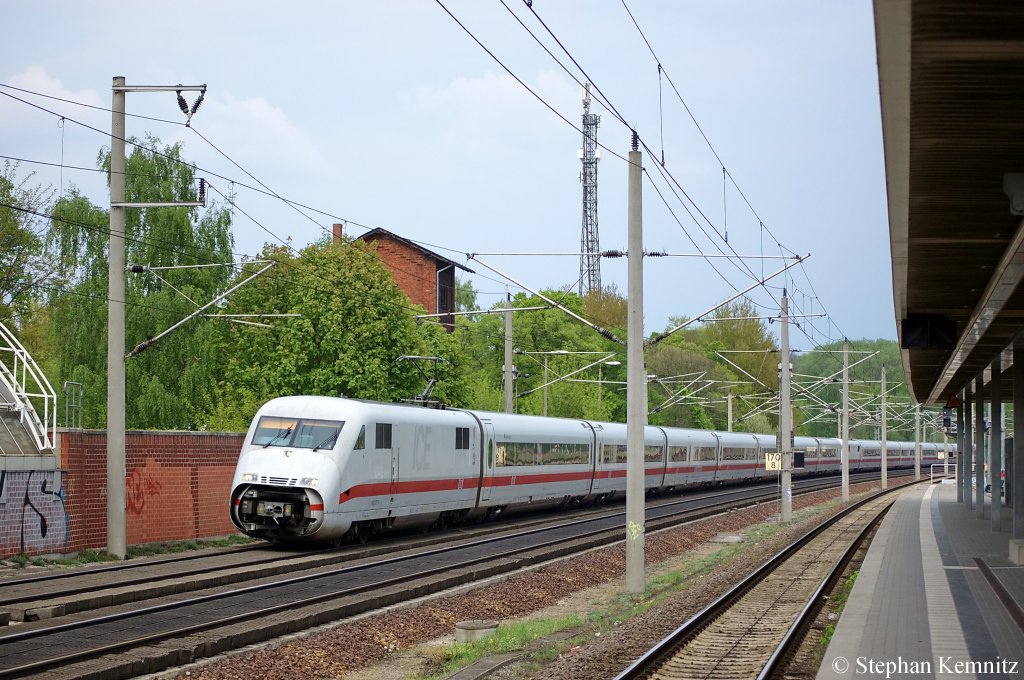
(325, 468)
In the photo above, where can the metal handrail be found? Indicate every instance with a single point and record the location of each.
(17, 377)
(931, 470)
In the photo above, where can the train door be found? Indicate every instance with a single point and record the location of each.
(385, 447)
(717, 463)
(663, 443)
(394, 474)
(486, 460)
(596, 446)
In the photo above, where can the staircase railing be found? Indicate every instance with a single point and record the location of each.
(25, 381)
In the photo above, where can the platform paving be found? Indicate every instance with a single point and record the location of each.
(922, 607)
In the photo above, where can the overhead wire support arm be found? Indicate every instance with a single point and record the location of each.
(658, 337)
(500, 310)
(603, 331)
(567, 375)
(142, 346)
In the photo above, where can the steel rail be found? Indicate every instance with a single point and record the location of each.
(77, 590)
(715, 507)
(84, 654)
(667, 647)
(794, 636)
(53, 595)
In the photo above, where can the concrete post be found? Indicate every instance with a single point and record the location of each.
(979, 446)
(636, 386)
(917, 443)
(883, 417)
(509, 373)
(996, 443)
(845, 459)
(117, 526)
(960, 450)
(785, 415)
(968, 473)
(545, 385)
(728, 401)
(1017, 479)
(945, 454)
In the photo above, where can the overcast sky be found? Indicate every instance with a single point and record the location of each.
(388, 114)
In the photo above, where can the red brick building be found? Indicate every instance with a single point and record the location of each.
(423, 275)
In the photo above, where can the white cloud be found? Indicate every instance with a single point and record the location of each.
(36, 79)
(469, 110)
(255, 132)
(24, 121)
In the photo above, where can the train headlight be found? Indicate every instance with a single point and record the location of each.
(260, 508)
(309, 481)
(249, 477)
(288, 510)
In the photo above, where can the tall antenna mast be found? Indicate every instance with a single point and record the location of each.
(590, 247)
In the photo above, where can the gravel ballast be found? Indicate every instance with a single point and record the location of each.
(349, 646)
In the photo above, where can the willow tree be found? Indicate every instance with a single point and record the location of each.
(23, 266)
(166, 383)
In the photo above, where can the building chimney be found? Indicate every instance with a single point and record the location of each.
(337, 232)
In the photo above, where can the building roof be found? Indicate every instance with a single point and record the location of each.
(384, 233)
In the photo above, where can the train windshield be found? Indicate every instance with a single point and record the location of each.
(302, 433)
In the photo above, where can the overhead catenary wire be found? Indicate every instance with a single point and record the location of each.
(294, 206)
(265, 191)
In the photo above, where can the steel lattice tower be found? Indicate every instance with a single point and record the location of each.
(590, 247)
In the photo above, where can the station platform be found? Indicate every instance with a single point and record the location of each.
(936, 597)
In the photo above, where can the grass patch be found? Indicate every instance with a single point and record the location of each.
(508, 638)
(85, 557)
(516, 637)
(149, 549)
(839, 599)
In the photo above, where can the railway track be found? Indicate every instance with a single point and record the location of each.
(69, 591)
(130, 640)
(751, 630)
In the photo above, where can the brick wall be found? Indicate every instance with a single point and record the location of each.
(414, 272)
(177, 484)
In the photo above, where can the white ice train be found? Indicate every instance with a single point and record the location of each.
(333, 469)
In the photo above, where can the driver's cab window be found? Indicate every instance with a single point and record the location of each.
(361, 439)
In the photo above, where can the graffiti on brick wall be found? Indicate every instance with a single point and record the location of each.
(139, 487)
(32, 512)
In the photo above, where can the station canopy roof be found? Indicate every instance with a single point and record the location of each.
(951, 78)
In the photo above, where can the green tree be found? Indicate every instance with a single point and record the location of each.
(166, 383)
(547, 330)
(353, 325)
(825, 365)
(23, 266)
(465, 295)
(708, 351)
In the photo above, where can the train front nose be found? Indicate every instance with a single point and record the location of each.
(279, 494)
(271, 511)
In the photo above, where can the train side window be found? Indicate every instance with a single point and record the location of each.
(383, 436)
(677, 454)
(462, 438)
(654, 454)
(361, 439)
(705, 453)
